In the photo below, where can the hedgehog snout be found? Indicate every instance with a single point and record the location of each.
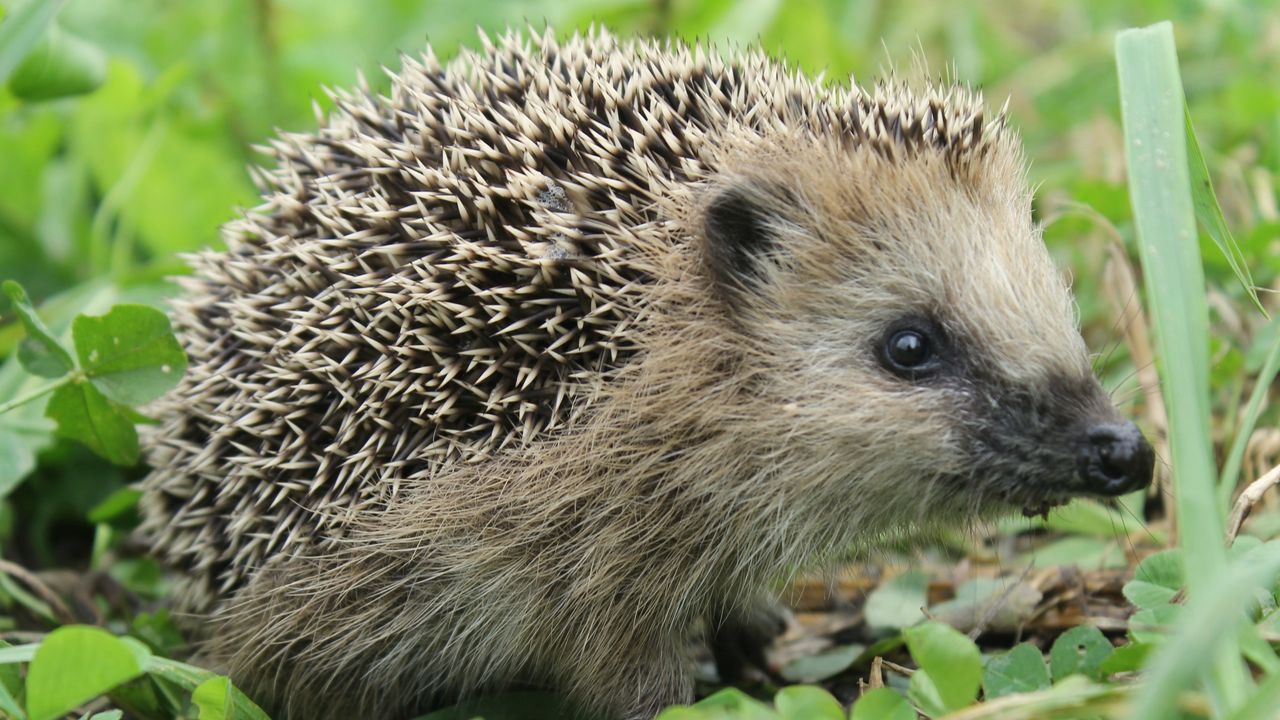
(1115, 459)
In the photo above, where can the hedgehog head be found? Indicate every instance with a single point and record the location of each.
(891, 291)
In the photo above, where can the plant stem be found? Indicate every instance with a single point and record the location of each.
(38, 392)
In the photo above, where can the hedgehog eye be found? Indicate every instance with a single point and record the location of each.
(909, 348)
(910, 351)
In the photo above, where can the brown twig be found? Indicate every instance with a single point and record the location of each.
(1248, 499)
(21, 637)
(875, 678)
(38, 586)
(899, 668)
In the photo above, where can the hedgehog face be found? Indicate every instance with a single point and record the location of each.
(905, 312)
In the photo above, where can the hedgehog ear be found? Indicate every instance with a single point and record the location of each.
(740, 238)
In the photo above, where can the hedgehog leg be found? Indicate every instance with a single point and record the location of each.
(740, 642)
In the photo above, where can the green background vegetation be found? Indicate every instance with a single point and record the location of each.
(101, 190)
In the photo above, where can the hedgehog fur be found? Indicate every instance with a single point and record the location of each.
(525, 368)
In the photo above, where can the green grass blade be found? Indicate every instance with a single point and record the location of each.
(1152, 107)
(1151, 103)
(1210, 616)
(1209, 214)
(1262, 706)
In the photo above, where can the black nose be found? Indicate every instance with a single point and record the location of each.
(1116, 459)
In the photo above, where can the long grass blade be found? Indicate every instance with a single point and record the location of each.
(1209, 214)
(1151, 103)
(1214, 614)
(1152, 107)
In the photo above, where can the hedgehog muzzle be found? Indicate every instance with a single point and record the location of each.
(1115, 459)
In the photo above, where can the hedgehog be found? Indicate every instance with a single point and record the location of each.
(532, 365)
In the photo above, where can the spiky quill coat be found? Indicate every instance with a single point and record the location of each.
(489, 392)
